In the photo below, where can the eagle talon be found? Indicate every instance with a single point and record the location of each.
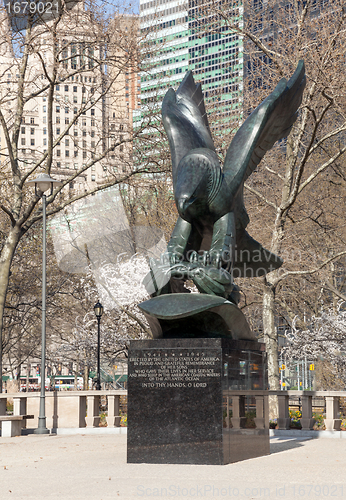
(206, 258)
(193, 257)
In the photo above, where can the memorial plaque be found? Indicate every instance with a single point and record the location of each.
(175, 399)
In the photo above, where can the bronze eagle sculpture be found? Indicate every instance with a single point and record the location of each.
(209, 243)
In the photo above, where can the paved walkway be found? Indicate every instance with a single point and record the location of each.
(94, 467)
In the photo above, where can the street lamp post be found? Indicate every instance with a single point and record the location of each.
(42, 183)
(98, 308)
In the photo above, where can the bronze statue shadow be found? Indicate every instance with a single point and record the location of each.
(284, 443)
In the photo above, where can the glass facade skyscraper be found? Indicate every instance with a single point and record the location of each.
(180, 35)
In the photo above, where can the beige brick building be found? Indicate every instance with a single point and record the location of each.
(84, 120)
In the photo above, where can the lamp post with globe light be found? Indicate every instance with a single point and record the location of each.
(98, 309)
(42, 183)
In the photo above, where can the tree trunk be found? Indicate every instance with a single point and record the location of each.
(271, 341)
(6, 258)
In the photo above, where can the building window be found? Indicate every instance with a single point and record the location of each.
(58, 109)
(84, 154)
(57, 119)
(32, 131)
(75, 110)
(92, 123)
(75, 99)
(32, 142)
(76, 166)
(23, 141)
(45, 142)
(92, 111)
(76, 153)
(57, 87)
(75, 132)
(92, 133)
(67, 165)
(67, 142)
(44, 131)
(84, 122)
(67, 153)
(67, 121)
(84, 133)
(44, 119)
(45, 109)
(58, 130)
(58, 164)
(67, 109)
(93, 177)
(32, 121)
(58, 152)
(23, 130)
(75, 88)
(66, 88)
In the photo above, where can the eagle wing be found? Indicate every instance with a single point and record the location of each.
(271, 121)
(185, 121)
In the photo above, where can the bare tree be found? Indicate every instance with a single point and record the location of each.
(295, 199)
(61, 91)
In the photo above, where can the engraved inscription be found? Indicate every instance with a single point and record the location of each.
(170, 368)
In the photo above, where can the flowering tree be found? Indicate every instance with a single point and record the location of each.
(119, 288)
(323, 340)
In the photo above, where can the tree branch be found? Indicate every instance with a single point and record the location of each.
(311, 271)
(259, 195)
(13, 221)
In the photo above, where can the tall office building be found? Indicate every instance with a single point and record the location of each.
(89, 110)
(180, 35)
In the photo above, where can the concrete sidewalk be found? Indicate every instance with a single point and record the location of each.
(94, 467)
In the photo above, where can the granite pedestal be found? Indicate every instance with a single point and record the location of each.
(180, 407)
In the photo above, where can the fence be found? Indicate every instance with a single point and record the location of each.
(67, 409)
(75, 409)
(236, 406)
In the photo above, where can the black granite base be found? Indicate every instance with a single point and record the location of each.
(177, 390)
